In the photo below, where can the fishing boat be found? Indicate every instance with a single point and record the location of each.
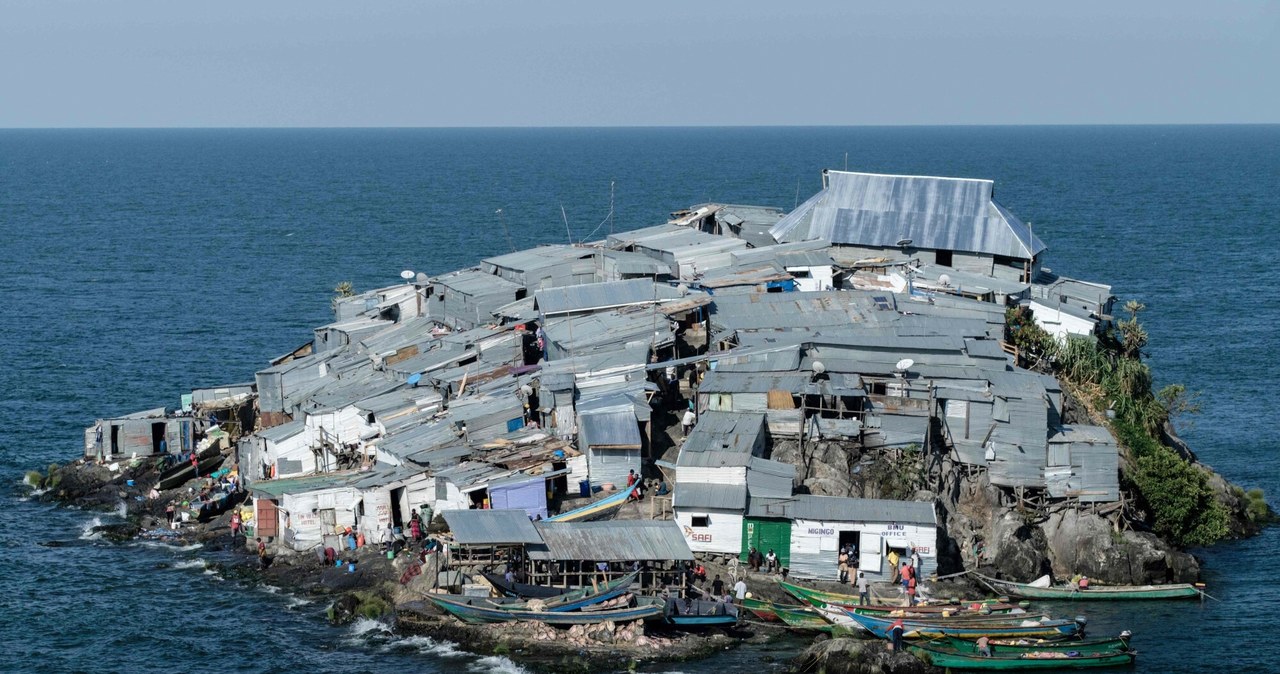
(603, 509)
(573, 599)
(695, 613)
(523, 590)
(1045, 627)
(1118, 644)
(804, 618)
(1065, 657)
(767, 610)
(848, 601)
(478, 610)
(1069, 592)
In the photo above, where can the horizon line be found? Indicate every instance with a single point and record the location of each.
(632, 126)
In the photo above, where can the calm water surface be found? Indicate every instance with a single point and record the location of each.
(135, 265)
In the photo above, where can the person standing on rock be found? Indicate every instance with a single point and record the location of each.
(262, 554)
(740, 591)
(686, 424)
(895, 634)
(169, 512)
(717, 586)
(863, 598)
(235, 524)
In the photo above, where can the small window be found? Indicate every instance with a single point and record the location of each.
(942, 257)
(701, 521)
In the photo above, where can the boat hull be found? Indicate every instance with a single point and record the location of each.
(479, 611)
(1096, 593)
(1056, 660)
(1052, 628)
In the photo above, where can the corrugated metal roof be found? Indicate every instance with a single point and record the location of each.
(491, 527)
(766, 478)
(596, 296)
(731, 432)
(838, 509)
(476, 283)
(710, 496)
(609, 429)
(536, 258)
(283, 431)
(617, 541)
(876, 210)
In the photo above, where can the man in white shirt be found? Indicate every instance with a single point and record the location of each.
(686, 424)
(740, 590)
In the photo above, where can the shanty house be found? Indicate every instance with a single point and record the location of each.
(145, 433)
(821, 525)
(953, 222)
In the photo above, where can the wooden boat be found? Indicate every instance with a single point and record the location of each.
(806, 619)
(699, 613)
(1014, 628)
(1061, 658)
(767, 610)
(1094, 593)
(806, 594)
(574, 599)
(209, 460)
(1003, 646)
(523, 590)
(603, 509)
(477, 610)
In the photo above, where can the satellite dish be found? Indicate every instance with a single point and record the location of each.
(415, 378)
(944, 280)
(683, 289)
(904, 364)
(406, 274)
(422, 277)
(526, 389)
(818, 367)
(903, 243)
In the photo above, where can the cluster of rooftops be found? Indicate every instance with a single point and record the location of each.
(872, 314)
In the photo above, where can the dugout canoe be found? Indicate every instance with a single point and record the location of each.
(1066, 658)
(1014, 628)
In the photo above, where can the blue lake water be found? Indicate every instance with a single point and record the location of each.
(135, 265)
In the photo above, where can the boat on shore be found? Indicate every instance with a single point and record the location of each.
(524, 590)
(694, 613)
(1064, 657)
(478, 610)
(804, 619)
(574, 599)
(1070, 592)
(208, 461)
(1044, 627)
(603, 509)
(767, 610)
(807, 595)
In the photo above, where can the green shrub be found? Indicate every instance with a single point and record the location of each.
(1182, 504)
(1256, 506)
(35, 479)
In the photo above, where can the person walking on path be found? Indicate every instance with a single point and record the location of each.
(235, 524)
(686, 424)
(739, 591)
(893, 564)
(915, 563)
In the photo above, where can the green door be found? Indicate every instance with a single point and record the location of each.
(767, 535)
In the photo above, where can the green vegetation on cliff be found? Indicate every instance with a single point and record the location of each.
(1108, 376)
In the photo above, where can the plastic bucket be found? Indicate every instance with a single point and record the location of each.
(391, 554)
(351, 567)
(584, 488)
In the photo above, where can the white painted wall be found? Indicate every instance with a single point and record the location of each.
(723, 533)
(1059, 323)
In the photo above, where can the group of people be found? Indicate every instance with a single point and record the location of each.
(768, 561)
(906, 571)
(635, 485)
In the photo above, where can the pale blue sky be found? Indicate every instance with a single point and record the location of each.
(600, 63)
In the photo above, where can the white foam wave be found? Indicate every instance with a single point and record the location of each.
(427, 645)
(189, 564)
(496, 664)
(161, 545)
(122, 510)
(297, 602)
(86, 530)
(364, 627)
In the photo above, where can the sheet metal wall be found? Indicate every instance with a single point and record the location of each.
(723, 533)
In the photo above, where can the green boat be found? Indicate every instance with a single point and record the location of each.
(767, 610)
(1094, 593)
(850, 602)
(804, 618)
(1060, 658)
(1004, 646)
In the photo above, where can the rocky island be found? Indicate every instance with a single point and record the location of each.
(888, 371)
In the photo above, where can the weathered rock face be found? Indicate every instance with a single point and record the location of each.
(856, 656)
(1017, 549)
(1088, 544)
